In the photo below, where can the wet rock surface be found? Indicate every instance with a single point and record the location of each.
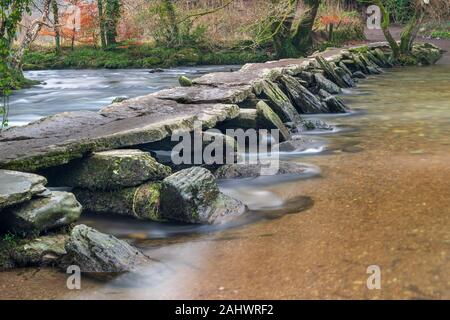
(56, 210)
(233, 171)
(141, 202)
(56, 140)
(17, 187)
(42, 251)
(114, 169)
(96, 252)
(192, 195)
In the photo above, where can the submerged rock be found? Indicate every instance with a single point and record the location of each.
(141, 202)
(110, 170)
(304, 100)
(233, 171)
(42, 251)
(192, 196)
(96, 252)
(57, 210)
(17, 187)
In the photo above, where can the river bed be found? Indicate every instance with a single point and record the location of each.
(382, 198)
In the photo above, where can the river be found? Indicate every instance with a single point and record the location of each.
(382, 198)
(72, 90)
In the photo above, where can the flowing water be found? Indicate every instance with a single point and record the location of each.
(382, 198)
(72, 90)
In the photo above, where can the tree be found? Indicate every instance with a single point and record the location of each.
(11, 12)
(301, 38)
(112, 18)
(290, 35)
(420, 9)
(56, 27)
(31, 33)
(101, 19)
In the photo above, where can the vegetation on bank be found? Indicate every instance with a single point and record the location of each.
(138, 56)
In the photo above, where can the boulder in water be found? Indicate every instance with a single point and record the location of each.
(42, 251)
(304, 100)
(57, 210)
(192, 195)
(141, 202)
(111, 170)
(96, 252)
(267, 119)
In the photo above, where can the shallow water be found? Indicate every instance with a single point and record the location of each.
(72, 90)
(382, 198)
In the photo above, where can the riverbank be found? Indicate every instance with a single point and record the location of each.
(138, 56)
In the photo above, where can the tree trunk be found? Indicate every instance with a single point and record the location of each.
(410, 32)
(385, 28)
(101, 18)
(173, 31)
(112, 16)
(56, 26)
(30, 36)
(301, 38)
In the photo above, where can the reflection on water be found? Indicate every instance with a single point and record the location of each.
(72, 90)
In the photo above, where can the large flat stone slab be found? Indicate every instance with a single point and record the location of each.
(57, 139)
(17, 187)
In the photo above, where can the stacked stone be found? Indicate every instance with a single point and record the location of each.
(133, 183)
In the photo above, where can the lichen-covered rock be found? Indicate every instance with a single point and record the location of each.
(17, 187)
(233, 171)
(267, 119)
(330, 72)
(57, 210)
(304, 100)
(96, 252)
(42, 251)
(426, 54)
(119, 99)
(141, 202)
(185, 81)
(111, 170)
(279, 102)
(333, 104)
(346, 77)
(192, 196)
(327, 85)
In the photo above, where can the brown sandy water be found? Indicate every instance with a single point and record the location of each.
(383, 199)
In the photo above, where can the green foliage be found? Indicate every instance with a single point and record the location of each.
(440, 34)
(172, 30)
(401, 11)
(11, 12)
(142, 56)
